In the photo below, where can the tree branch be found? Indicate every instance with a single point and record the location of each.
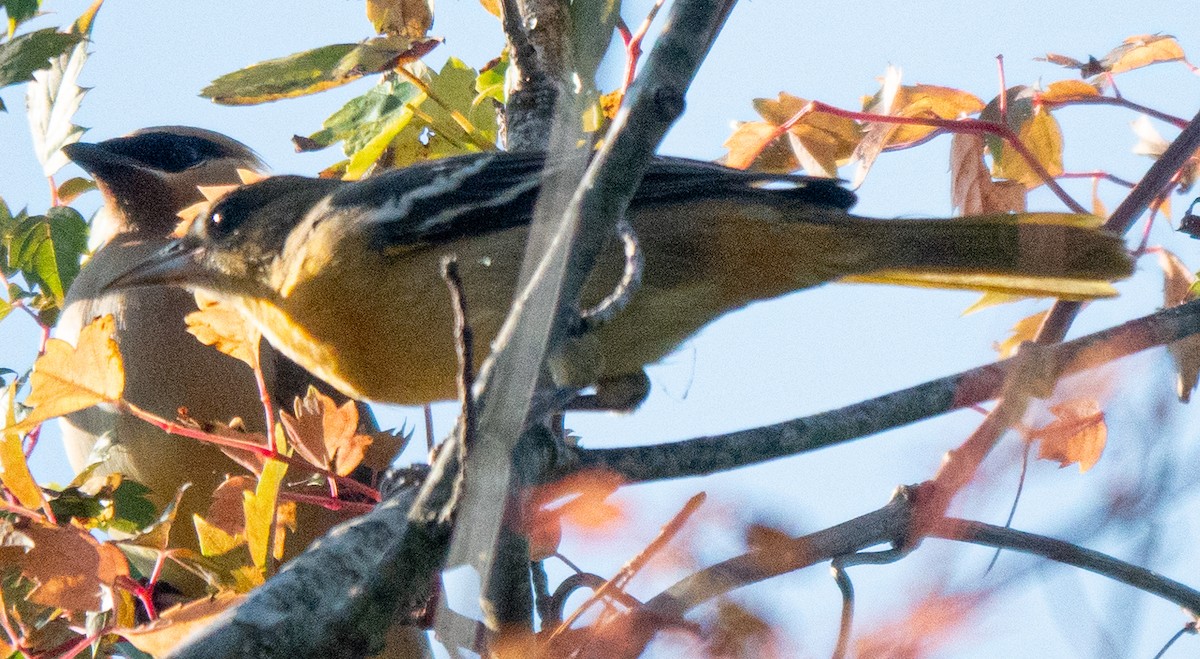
(706, 455)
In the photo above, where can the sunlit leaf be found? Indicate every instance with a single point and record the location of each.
(175, 625)
(326, 434)
(70, 189)
(218, 324)
(66, 379)
(1178, 283)
(819, 142)
(313, 70)
(1036, 129)
(1077, 435)
(259, 508)
(14, 470)
(1143, 50)
(53, 98)
(1065, 91)
(1023, 331)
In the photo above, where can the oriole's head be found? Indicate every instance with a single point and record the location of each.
(150, 175)
(231, 247)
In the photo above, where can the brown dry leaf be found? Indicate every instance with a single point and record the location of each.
(1078, 434)
(174, 625)
(410, 19)
(972, 189)
(1065, 91)
(68, 379)
(1098, 208)
(325, 434)
(259, 509)
(1178, 280)
(14, 470)
(1023, 331)
(226, 512)
(219, 325)
(71, 567)
(1043, 138)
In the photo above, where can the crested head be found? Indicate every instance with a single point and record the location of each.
(151, 174)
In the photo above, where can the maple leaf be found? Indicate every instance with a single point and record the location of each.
(72, 568)
(218, 324)
(67, 379)
(325, 434)
(1078, 434)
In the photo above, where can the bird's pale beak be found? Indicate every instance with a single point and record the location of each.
(177, 264)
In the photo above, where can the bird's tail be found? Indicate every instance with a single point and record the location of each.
(1037, 254)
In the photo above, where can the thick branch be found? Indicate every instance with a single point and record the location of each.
(546, 310)
(706, 455)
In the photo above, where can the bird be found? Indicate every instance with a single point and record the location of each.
(343, 276)
(146, 178)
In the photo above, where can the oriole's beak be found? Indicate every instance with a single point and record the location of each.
(177, 264)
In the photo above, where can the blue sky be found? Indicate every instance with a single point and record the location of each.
(806, 353)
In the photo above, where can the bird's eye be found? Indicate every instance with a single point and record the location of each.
(225, 217)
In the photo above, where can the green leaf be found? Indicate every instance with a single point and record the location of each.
(46, 249)
(313, 70)
(31, 52)
(132, 511)
(490, 83)
(19, 11)
(360, 119)
(453, 89)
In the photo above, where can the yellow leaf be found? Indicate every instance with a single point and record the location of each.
(1023, 331)
(1043, 138)
(219, 325)
(67, 379)
(1078, 434)
(176, 624)
(259, 508)
(14, 470)
(1065, 91)
(754, 144)
(213, 540)
(819, 142)
(492, 7)
(403, 18)
(1143, 50)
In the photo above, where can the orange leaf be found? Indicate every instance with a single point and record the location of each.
(325, 434)
(1065, 91)
(14, 470)
(1143, 50)
(174, 625)
(68, 379)
(754, 144)
(71, 567)
(219, 325)
(1079, 434)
